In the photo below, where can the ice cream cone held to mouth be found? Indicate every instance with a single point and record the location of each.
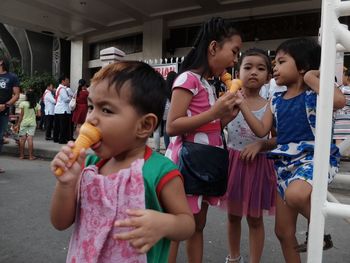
(232, 84)
(88, 136)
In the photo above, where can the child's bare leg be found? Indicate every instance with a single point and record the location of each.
(256, 238)
(285, 227)
(174, 247)
(234, 235)
(22, 141)
(30, 148)
(298, 196)
(194, 245)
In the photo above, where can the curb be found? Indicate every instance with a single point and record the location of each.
(12, 150)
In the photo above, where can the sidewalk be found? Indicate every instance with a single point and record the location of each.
(47, 149)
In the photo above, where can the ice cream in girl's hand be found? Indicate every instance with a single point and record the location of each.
(88, 136)
(232, 84)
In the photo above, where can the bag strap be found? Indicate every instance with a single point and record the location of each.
(210, 127)
(58, 94)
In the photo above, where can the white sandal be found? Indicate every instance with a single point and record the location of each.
(238, 259)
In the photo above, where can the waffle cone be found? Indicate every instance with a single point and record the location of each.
(88, 136)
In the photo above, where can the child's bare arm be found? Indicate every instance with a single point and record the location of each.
(252, 149)
(181, 224)
(20, 118)
(150, 226)
(179, 123)
(63, 203)
(312, 79)
(260, 127)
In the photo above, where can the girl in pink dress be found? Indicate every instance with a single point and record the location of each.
(122, 202)
(194, 105)
(252, 181)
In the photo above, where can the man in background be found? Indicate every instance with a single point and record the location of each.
(9, 94)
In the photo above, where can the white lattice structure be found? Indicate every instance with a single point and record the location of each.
(332, 33)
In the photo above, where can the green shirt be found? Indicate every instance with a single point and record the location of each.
(29, 115)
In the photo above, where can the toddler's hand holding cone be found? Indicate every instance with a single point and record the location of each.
(232, 85)
(88, 136)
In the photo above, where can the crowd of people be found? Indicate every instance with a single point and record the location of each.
(22, 113)
(121, 199)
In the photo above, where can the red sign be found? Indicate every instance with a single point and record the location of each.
(164, 69)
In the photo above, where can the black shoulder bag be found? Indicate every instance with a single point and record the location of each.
(204, 168)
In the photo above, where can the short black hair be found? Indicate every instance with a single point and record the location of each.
(148, 89)
(305, 52)
(63, 77)
(5, 63)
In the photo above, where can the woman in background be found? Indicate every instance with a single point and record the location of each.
(81, 107)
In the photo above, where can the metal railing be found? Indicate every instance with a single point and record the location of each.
(332, 33)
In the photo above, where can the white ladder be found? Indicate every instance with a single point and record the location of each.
(332, 33)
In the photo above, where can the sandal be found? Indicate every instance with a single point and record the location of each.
(327, 243)
(238, 259)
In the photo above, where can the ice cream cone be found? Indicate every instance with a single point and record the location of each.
(232, 85)
(88, 136)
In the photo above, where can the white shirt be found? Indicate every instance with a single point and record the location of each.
(49, 102)
(63, 99)
(269, 89)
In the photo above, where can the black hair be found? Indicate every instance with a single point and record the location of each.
(5, 64)
(257, 52)
(81, 83)
(217, 29)
(305, 52)
(49, 83)
(170, 78)
(147, 86)
(31, 98)
(63, 77)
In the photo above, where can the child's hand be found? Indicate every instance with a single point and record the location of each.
(240, 97)
(251, 150)
(224, 105)
(148, 230)
(312, 79)
(312, 73)
(71, 170)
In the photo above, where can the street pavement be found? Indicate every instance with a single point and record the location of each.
(26, 234)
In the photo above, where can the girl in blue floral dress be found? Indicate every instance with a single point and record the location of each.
(293, 114)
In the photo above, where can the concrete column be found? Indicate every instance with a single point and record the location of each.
(153, 39)
(78, 62)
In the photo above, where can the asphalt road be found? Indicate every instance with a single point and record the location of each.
(26, 234)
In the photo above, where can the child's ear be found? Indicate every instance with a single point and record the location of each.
(212, 47)
(147, 125)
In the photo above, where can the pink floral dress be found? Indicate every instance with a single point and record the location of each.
(203, 99)
(102, 200)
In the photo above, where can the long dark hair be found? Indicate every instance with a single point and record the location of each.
(170, 78)
(81, 84)
(217, 29)
(31, 98)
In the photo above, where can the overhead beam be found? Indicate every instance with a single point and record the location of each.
(63, 12)
(208, 4)
(25, 24)
(124, 7)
